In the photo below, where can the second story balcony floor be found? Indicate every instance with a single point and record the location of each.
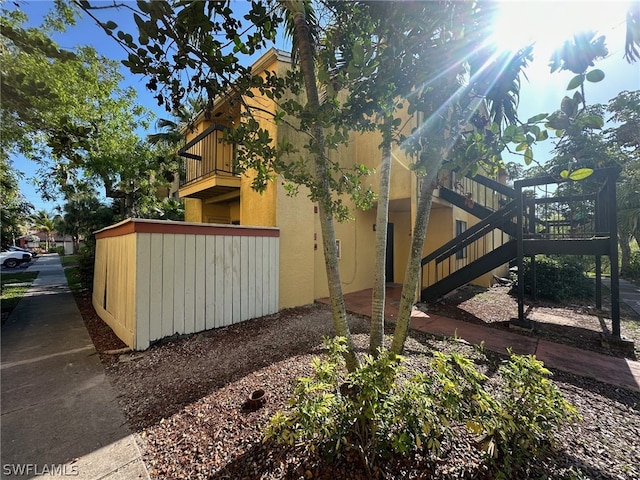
(208, 165)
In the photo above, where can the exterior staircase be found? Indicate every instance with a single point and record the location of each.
(491, 241)
(535, 217)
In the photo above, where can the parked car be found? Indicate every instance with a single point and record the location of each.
(11, 259)
(31, 252)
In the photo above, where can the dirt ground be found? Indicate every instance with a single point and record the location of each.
(185, 400)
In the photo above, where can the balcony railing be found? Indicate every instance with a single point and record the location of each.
(206, 155)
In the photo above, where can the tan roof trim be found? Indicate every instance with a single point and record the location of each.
(258, 66)
(140, 225)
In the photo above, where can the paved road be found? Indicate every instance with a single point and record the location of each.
(59, 412)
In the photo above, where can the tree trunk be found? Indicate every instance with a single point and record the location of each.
(305, 51)
(429, 183)
(625, 257)
(376, 339)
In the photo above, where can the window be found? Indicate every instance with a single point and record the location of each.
(461, 227)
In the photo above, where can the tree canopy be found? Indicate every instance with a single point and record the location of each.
(66, 111)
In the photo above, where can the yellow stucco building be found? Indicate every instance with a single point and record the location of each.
(214, 194)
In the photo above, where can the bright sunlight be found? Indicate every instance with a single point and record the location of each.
(549, 24)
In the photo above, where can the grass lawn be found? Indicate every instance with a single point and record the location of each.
(69, 260)
(70, 265)
(73, 278)
(14, 286)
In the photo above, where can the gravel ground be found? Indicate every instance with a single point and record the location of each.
(185, 401)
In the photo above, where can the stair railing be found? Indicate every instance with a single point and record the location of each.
(482, 190)
(472, 244)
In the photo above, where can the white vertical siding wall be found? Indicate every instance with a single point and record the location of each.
(186, 279)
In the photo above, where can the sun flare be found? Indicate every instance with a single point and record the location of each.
(549, 24)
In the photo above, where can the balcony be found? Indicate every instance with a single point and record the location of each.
(208, 168)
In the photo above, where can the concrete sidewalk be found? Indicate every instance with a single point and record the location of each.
(605, 368)
(629, 293)
(60, 415)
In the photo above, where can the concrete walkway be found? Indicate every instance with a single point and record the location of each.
(629, 293)
(60, 416)
(605, 368)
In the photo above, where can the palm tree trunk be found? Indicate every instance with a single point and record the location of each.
(305, 50)
(625, 257)
(376, 339)
(410, 286)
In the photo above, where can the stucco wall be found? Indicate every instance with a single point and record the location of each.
(295, 218)
(301, 261)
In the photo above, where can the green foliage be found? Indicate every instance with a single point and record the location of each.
(380, 408)
(67, 112)
(578, 53)
(86, 265)
(367, 410)
(577, 175)
(634, 271)
(82, 216)
(519, 426)
(559, 277)
(14, 208)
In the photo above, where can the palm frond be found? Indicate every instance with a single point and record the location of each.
(632, 40)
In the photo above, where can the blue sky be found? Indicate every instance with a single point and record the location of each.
(545, 22)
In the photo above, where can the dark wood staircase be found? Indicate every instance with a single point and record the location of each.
(522, 222)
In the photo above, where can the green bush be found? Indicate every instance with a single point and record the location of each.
(368, 410)
(634, 271)
(519, 425)
(558, 278)
(86, 264)
(379, 409)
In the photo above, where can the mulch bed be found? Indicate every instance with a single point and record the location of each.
(577, 323)
(185, 400)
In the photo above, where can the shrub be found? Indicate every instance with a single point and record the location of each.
(558, 278)
(86, 265)
(634, 271)
(520, 424)
(368, 410)
(377, 410)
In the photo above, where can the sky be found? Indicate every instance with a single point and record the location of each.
(545, 22)
(543, 91)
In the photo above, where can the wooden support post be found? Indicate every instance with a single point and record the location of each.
(613, 255)
(598, 282)
(520, 250)
(534, 285)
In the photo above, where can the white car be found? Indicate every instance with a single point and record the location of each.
(13, 248)
(13, 259)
